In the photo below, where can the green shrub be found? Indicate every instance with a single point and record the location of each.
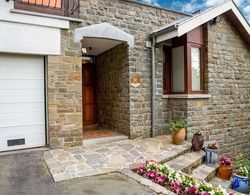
(242, 166)
(177, 125)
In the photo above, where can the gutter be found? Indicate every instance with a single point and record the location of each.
(163, 31)
(152, 132)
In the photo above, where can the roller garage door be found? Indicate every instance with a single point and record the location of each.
(22, 102)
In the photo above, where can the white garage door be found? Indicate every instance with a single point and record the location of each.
(22, 105)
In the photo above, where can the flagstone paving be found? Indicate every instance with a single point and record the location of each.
(70, 163)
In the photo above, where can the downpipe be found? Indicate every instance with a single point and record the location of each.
(152, 131)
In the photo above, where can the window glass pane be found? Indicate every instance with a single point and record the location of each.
(178, 69)
(196, 73)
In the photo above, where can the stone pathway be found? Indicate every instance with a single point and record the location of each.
(69, 163)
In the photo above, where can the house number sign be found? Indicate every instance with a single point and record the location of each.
(135, 80)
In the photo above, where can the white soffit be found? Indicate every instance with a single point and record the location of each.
(96, 46)
(103, 31)
(199, 19)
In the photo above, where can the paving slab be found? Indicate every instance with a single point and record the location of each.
(187, 162)
(205, 172)
(103, 158)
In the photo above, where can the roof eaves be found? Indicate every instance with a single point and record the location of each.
(167, 28)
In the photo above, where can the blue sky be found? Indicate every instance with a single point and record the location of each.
(190, 6)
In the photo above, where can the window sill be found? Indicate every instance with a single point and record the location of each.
(186, 96)
(18, 11)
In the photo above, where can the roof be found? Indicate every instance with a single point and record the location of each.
(186, 24)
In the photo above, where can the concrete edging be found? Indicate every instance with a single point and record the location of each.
(146, 182)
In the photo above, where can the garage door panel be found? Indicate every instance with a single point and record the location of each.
(21, 84)
(22, 104)
(11, 96)
(18, 132)
(18, 66)
(30, 142)
(22, 107)
(16, 119)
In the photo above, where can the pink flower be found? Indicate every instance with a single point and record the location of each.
(175, 186)
(205, 193)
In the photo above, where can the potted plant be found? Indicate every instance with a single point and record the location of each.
(197, 141)
(241, 176)
(225, 168)
(212, 153)
(178, 129)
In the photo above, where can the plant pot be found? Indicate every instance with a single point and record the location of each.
(240, 183)
(225, 172)
(211, 156)
(179, 136)
(197, 141)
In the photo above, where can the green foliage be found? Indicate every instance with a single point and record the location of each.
(205, 188)
(177, 125)
(164, 170)
(188, 181)
(242, 166)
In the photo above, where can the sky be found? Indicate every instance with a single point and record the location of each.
(190, 6)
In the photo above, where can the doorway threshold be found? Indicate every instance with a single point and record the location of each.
(100, 140)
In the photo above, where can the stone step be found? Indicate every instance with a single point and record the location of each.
(205, 172)
(90, 127)
(226, 184)
(104, 140)
(187, 162)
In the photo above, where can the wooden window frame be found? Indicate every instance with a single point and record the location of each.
(188, 44)
(201, 47)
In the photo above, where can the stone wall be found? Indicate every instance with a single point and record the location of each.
(138, 20)
(65, 93)
(113, 90)
(226, 115)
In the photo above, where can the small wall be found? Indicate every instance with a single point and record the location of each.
(112, 89)
(65, 93)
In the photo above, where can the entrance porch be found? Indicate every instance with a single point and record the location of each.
(105, 82)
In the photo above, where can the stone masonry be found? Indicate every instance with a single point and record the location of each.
(112, 89)
(138, 20)
(65, 93)
(226, 115)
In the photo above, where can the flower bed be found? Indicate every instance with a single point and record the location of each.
(177, 181)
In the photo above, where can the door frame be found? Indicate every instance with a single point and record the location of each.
(95, 92)
(46, 106)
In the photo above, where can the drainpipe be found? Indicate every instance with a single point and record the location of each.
(153, 88)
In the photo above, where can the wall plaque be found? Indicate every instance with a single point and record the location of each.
(135, 80)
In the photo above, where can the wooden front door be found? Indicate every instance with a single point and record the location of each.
(89, 94)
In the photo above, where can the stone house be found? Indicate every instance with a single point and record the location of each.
(66, 66)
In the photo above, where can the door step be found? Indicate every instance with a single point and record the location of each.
(90, 127)
(98, 141)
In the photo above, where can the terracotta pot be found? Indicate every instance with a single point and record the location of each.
(179, 136)
(197, 141)
(225, 172)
